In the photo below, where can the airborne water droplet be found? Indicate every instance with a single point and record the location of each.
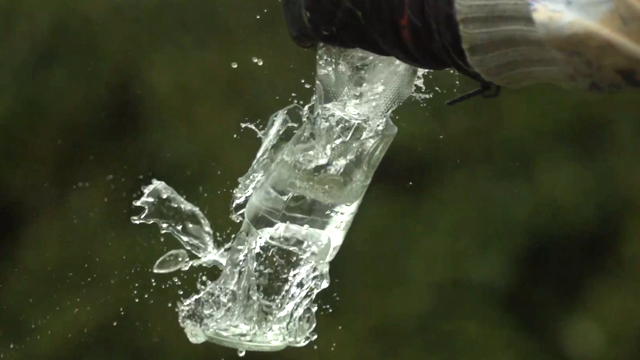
(234, 65)
(241, 353)
(257, 60)
(171, 261)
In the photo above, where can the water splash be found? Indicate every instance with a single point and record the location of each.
(279, 131)
(174, 215)
(296, 204)
(171, 261)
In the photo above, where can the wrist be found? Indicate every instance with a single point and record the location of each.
(503, 45)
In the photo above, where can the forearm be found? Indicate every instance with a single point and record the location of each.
(589, 44)
(580, 43)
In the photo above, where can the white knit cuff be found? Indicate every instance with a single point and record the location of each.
(503, 45)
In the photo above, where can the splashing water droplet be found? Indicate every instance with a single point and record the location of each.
(234, 65)
(241, 353)
(171, 261)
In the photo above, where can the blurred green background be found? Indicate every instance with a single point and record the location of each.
(495, 229)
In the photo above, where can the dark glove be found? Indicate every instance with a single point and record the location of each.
(422, 33)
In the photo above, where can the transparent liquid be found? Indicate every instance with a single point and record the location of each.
(296, 205)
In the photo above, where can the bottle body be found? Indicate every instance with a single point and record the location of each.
(294, 224)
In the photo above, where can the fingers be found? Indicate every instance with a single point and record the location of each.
(334, 22)
(413, 31)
